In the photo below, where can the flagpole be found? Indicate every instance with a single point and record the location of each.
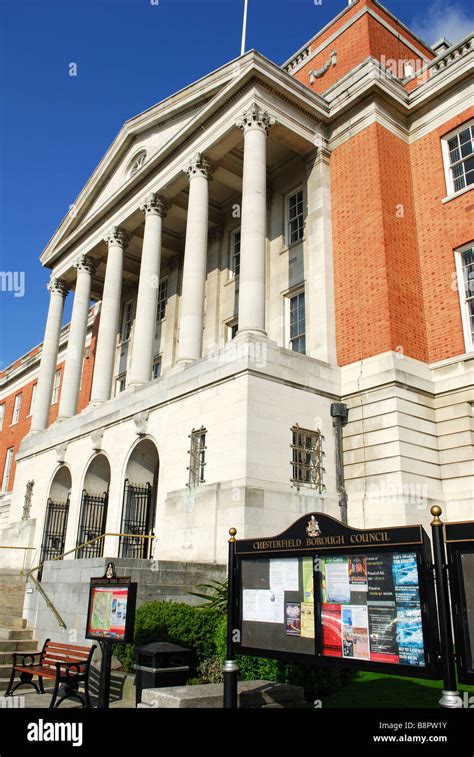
(244, 28)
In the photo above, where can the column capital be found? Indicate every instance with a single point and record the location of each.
(56, 286)
(85, 263)
(198, 166)
(255, 118)
(155, 205)
(117, 236)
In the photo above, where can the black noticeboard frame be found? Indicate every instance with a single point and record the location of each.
(114, 582)
(459, 538)
(331, 538)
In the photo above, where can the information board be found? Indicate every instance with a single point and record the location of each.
(111, 610)
(325, 593)
(460, 542)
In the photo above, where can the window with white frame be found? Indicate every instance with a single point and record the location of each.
(197, 456)
(32, 400)
(56, 385)
(162, 299)
(465, 272)
(16, 409)
(458, 149)
(156, 369)
(295, 221)
(120, 384)
(296, 322)
(127, 320)
(235, 252)
(2, 415)
(7, 469)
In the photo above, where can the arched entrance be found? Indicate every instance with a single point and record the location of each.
(57, 511)
(139, 500)
(93, 517)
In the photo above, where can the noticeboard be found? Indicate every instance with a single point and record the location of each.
(324, 593)
(111, 609)
(459, 538)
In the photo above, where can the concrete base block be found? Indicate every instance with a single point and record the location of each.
(210, 695)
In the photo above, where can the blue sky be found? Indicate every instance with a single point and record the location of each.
(130, 54)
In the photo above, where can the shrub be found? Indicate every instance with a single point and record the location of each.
(185, 625)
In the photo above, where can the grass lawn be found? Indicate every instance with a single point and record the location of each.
(374, 690)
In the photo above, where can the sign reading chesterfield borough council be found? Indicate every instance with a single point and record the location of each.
(322, 592)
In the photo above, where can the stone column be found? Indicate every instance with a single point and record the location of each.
(85, 267)
(109, 317)
(154, 208)
(195, 258)
(319, 299)
(255, 124)
(49, 355)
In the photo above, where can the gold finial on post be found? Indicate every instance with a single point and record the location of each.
(436, 511)
(232, 532)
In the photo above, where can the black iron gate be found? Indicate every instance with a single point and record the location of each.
(54, 532)
(136, 516)
(92, 523)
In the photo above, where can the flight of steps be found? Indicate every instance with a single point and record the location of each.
(14, 635)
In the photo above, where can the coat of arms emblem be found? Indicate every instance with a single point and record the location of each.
(312, 529)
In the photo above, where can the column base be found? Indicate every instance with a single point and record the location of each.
(242, 333)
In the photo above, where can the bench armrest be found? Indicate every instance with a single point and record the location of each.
(24, 657)
(71, 669)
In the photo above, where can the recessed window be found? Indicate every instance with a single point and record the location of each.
(156, 370)
(16, 409)
(197, 457)
(465, 272)
(295, 225)
(458, 149)
(56, 384)
(297, 322)
(33, 397)
(7, 469)
(306, 462)
(136, 163)
(232, 328)
(127, 320)
(2, 416)
(120, 384)
(235, 252)
(162, 299)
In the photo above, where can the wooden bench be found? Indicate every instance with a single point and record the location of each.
(66, 664)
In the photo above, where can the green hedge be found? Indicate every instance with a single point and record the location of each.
(204, 632)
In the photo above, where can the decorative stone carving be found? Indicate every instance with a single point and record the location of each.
(61, 452)
(96, 438)
(56, 286)
(255, 118)
(198, 166)
(141, 422)
(117, 236)
(85, 263)
(155, 204)
(331, 61)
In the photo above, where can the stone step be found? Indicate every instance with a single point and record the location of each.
(16, 634)
(12, 621)
(14, 645)
(6, 658)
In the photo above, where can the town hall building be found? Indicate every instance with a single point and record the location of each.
(272, 275)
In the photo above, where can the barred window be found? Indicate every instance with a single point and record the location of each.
(460, 151)
(295, 217)
(197, 457)
(162, 299)
(306, 462)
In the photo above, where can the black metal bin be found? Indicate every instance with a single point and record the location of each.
(160, 664)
